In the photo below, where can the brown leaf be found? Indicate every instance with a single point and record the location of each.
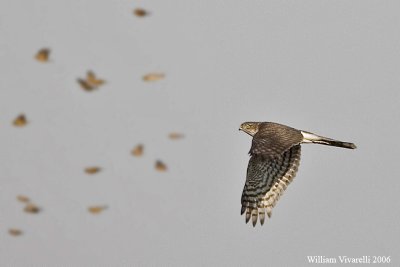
(31, 208)
(140, 12)
(20, 121)
(92, 170)
(23, 199)
(152, 77)
(160, 166)
(14, 232)
(175, 136)
(43, 55)
(138, 150)
(85, 85)
(92, 80)
(97, 209)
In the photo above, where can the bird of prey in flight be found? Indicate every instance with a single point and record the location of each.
(275, 158)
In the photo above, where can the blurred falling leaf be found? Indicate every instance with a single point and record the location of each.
(23, 199)
(140, 12)
(20, 121)
(92, 170)
(175, 136)
(91, 79)
(85, 85)
(31, 208)
(160, 166)
(152, 77)
(91, 82)
(14, 232)
(43, 55)
(138, 150)
(97, 209)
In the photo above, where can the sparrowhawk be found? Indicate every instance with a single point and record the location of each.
(275, 158)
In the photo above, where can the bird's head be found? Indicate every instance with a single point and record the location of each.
(250, 128)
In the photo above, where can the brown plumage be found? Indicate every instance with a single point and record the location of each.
(275, 158)
(272, 139)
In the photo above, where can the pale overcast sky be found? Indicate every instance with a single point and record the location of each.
(329, 67)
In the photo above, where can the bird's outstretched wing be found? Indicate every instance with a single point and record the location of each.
(273, 139)
(266, 180)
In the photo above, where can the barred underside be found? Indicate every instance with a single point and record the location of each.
(266, 181)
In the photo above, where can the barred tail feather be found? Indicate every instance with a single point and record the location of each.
(266, 181)
(316, 139)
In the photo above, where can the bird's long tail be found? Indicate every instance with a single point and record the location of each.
(316, 139)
